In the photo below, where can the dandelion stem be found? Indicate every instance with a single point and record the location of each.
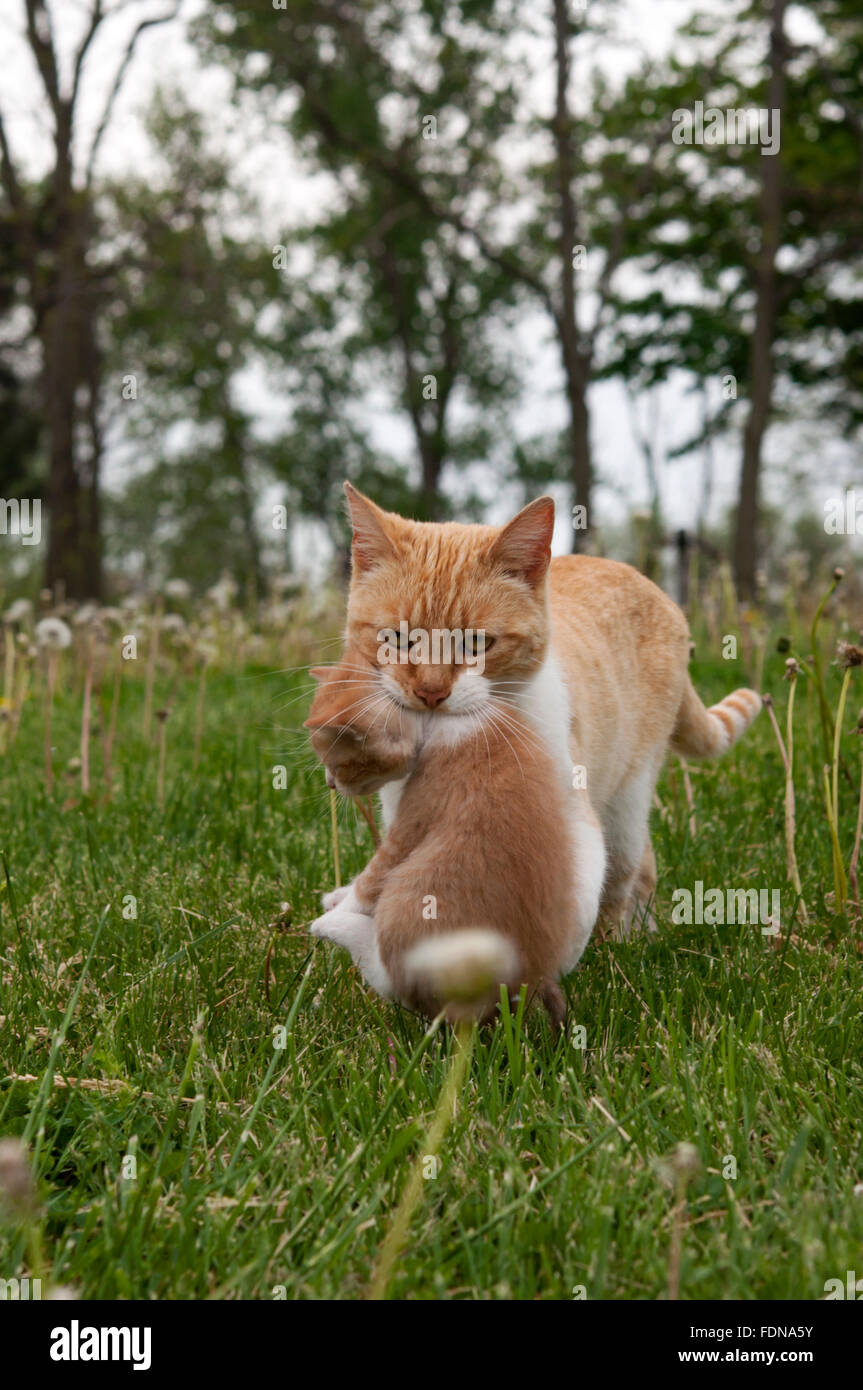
(8, 685)
(855, 854)
(334, 823)
(839, 881)
(199, 715)
(398, 1231)
(823, 706)
(150, 677)
(85, 722)
(837, 734)
(50, 679)
(790, 805)
(108, 738)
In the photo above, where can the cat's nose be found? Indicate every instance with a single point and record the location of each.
(430, 697)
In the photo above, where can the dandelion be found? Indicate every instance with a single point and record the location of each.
(17, 1189)
(223, 593)
(18, 612)
(85, 615)
(682, 1167)
(52, 634)
(178, 590)
(465, 968)
(847, 655)
(110, 617)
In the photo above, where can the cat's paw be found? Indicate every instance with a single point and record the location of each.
(334, 897)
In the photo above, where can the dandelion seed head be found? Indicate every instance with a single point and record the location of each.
(17, 1188)
(53, 634)
(462, 967)
(19, 611)
(847, 655)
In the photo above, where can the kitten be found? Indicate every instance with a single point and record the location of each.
(481, 837)
(591, 653)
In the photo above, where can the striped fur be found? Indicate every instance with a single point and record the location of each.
(708, 733)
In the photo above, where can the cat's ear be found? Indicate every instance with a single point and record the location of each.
(523, 547)
(329, 698)
(371, 543)
(325, 711)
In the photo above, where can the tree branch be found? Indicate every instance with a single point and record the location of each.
(398, 175)
(96, 17)
(41, 40)
(8, 176)
(118, 82)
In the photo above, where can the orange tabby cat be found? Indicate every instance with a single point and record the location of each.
(481, 836)
(589, 652)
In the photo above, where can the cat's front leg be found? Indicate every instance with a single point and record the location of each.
(356, 933)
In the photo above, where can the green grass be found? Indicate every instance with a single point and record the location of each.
(260, 1167)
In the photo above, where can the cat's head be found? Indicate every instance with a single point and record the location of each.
(362, 742)
(451, 614)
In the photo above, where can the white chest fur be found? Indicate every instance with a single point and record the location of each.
(545, 703)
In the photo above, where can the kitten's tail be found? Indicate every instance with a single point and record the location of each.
(707, 733)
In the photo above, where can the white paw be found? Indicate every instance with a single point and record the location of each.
(331, 926)
(355, 931)
(334, 897)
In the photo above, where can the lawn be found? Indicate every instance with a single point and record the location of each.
(217, 1107)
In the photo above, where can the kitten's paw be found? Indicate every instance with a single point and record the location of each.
(335, 924)
(334, 897)
(355, 932)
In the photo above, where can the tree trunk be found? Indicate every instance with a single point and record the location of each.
(70, 367)
(761, 349)
(576, 362)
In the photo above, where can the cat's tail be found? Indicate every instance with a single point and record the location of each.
(707, 733)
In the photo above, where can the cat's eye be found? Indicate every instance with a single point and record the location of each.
(477, 642)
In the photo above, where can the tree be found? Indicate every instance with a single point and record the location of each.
(751, 267)
(429, 308)
(54, 227)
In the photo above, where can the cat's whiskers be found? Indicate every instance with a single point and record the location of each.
(494, 719)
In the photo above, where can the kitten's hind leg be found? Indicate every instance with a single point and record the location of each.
(554, 1000)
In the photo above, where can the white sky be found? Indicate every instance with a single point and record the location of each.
(263, 161)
